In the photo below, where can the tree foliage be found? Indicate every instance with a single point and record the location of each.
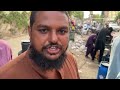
(77, 14)
(20, 20)
(117, 17)
(97, 17)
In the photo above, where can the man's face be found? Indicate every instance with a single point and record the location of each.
(49, 34)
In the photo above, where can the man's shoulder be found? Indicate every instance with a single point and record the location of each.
(11, 66)
(5, 43)
(72, 64)
(71, 57)
(69, 54)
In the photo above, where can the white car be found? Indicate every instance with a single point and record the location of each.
(114, 26)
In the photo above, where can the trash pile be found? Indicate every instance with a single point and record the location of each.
(78, 46)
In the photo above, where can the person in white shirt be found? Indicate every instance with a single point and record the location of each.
(114, 64)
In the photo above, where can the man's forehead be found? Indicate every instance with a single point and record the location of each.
(51, 13)
(51, 17)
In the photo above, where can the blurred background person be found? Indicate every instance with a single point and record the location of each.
(100, 43)
(114, 64)
(5, 52)
(99, 27)
(90, 45)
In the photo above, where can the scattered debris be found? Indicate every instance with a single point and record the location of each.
(79, 71)
(78, 45)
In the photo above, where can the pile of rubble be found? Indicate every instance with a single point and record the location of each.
(78, 46)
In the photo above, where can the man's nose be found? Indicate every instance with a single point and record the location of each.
(53, 37)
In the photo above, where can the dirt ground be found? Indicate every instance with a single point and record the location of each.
(87, 68)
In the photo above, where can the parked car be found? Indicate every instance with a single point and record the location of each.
(114, 26)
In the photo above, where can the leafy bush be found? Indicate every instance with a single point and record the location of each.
(17, 20)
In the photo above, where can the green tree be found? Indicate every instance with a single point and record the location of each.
(2, 16)
(77, 14)
(20, 19)
(69, 12)
(117, 17)
(97, 17)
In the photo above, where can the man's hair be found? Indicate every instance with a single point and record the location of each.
(111, 29)
(33, 14)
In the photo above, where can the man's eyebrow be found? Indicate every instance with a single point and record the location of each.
(42, 26)
(63, 27)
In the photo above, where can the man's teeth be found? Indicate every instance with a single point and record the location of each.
(53, 48)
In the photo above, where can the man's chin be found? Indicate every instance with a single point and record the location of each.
(47, 61)
(52, 57)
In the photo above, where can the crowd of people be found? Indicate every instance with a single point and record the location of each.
(98, 41)
(47, 56)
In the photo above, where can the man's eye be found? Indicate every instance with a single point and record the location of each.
(43, 31)
(62, 31)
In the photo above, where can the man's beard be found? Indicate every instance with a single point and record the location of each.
(45, 63)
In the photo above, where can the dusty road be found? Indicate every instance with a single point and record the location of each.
(15, 43)
(87, 68)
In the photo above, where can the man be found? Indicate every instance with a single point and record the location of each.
(90, 45)
(46, 57)
(5, 52)
(72, 31)
(114, 64)
(99, 27)
(110, 37)
(100, 43)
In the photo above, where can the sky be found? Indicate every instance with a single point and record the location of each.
(86, 13)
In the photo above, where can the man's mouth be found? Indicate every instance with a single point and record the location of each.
(53, 49)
